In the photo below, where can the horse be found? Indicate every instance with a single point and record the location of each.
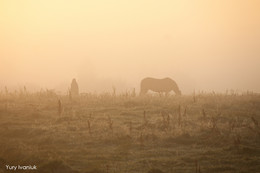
(164, 85)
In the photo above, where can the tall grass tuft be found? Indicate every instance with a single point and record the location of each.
(179, 116)
(133, 94)
(89, 127)
(204, 116)
(145, 119)
(70, 96)
(197, 165)
(165, 120)
(185, 111)
(89, 124)
(255, 122)
(110, 123)
(59, 107)
(256, 129)
(194, 96)
(130, 128)
(141, 139)
(6, 90)
(114, 91)
(237, 140)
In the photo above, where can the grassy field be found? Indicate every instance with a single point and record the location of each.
(128, 134)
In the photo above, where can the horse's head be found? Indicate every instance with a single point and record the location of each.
(178, 92)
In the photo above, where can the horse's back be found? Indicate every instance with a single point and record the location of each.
(159, 85)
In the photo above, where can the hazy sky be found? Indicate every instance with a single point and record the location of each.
(202, 44)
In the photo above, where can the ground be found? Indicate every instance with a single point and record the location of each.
(107, 133)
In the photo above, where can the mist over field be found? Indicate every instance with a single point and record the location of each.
(129, 86)
(202, 45)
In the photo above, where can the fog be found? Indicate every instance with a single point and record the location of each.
(202, 45)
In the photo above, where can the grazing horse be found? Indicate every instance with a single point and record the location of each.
(165, 85)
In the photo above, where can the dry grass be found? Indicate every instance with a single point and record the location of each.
(124, 133)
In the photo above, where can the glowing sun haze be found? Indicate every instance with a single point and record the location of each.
(201, 44)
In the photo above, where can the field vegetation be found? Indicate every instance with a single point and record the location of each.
(125, 133)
